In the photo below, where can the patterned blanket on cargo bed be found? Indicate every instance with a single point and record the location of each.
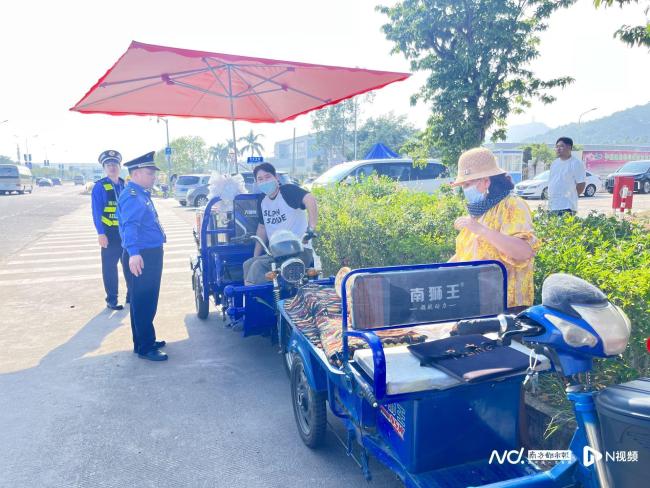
(316, 311)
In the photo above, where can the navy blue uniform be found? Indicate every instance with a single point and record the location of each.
(104, 202)
(142, 235)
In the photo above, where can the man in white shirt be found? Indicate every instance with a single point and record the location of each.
(566, 180)
(284, 207)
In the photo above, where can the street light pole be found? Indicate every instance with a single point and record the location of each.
(27, 153)
(585, 113)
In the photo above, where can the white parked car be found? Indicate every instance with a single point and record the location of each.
(538, 186)
(426, 179)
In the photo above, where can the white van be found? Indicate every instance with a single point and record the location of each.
(425, 179)
(15, 177)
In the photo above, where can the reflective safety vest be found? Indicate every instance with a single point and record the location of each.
(109, 218)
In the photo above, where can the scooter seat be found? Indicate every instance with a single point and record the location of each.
(405, 375)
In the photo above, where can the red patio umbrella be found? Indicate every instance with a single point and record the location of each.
(158, 80)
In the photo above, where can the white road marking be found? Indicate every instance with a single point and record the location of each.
(94, 256)
(52, 269)
(75, 246)
(187, 247)
(96, 276)
(93, 238)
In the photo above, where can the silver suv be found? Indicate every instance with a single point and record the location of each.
(185, 183)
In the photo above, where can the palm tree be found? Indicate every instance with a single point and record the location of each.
(219, 154)
(251, 143)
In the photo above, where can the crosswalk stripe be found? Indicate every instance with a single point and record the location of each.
(94, 256)
(68, 268)
(93, 238)
(73, 246)
(92, 232)
(58, 279)
(95, 252)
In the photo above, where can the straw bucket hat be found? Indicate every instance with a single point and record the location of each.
(476, 163)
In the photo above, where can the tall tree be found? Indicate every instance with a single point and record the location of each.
(218, 155)
(189, 155)
(633, 35)
(332, 125)
(335, 125)
(476, 53)
(251, 143)
(541, 156)
(389, 129)
(5, 160)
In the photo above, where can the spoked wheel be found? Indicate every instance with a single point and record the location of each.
(308, 406)
(202, 306)
(590, 191)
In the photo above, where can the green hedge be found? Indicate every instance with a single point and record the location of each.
(376, 223)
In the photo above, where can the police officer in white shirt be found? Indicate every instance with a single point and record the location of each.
(283, 207)
(566, 180)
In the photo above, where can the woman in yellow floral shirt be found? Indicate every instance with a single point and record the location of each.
(499, 226)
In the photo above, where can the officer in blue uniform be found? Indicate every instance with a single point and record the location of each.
(142, 240)
(104, 204)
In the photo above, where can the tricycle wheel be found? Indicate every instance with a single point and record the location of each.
(308, 406)
(202, 306)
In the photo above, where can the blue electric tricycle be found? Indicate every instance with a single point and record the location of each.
(448, 416)
(217, 270)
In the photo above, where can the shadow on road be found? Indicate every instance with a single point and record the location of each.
(217, 414)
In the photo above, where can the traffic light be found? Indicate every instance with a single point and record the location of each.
(46, 162)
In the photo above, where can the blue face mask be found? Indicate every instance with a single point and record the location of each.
(268, 187)
(472, 195)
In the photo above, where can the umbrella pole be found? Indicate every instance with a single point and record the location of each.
(234, 145)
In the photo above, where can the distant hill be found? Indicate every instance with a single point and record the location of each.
(518, 133)
(631, 126)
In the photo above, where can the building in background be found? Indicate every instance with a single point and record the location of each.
(306, 155)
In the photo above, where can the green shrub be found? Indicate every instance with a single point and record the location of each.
(375, 223)
(614, 255)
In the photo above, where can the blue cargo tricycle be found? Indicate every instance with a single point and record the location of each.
(217, 271)
(444, 412)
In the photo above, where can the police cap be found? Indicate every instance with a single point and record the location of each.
(110, 156)
(144, 161)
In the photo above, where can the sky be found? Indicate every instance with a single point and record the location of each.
(53, 52)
